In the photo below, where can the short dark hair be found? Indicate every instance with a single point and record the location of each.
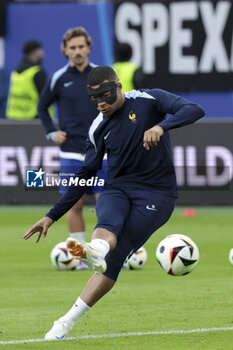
(123, 52)
(30, 46)
(101, 73)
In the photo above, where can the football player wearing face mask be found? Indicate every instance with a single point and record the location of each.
(140, 192)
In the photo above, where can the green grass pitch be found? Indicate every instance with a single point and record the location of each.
(33, 294)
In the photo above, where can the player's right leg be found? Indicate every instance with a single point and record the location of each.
(113, 207)
(97, 286)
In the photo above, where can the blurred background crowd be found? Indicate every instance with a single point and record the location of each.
(181, 47)
(184, 47)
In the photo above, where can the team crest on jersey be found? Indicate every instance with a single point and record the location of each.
(132, 117)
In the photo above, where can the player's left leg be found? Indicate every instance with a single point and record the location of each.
(142, 213)
(93, 253)
(112, 208)
(149, 211)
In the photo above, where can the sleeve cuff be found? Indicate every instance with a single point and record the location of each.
(162, 126)
(51, 135)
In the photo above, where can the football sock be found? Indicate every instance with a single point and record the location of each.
(75, 313)
(78, 235)
(101, 245)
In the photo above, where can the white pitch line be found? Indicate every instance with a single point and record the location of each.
(117, 335)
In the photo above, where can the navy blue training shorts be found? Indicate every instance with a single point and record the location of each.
(132, 215)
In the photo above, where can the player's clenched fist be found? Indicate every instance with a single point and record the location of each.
(152, 136)
(60, 137)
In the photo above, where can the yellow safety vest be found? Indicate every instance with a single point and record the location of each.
(23, 95)
(125, 72)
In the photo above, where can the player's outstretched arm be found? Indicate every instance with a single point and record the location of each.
(40, 226)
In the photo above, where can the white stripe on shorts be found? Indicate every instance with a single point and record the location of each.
(71, 155)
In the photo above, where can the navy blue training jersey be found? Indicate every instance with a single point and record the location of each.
(121, 137)
(67, 88)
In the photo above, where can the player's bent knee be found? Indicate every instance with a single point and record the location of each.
(77, 208)
(108, 236)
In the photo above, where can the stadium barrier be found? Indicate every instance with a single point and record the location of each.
(203, 157)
